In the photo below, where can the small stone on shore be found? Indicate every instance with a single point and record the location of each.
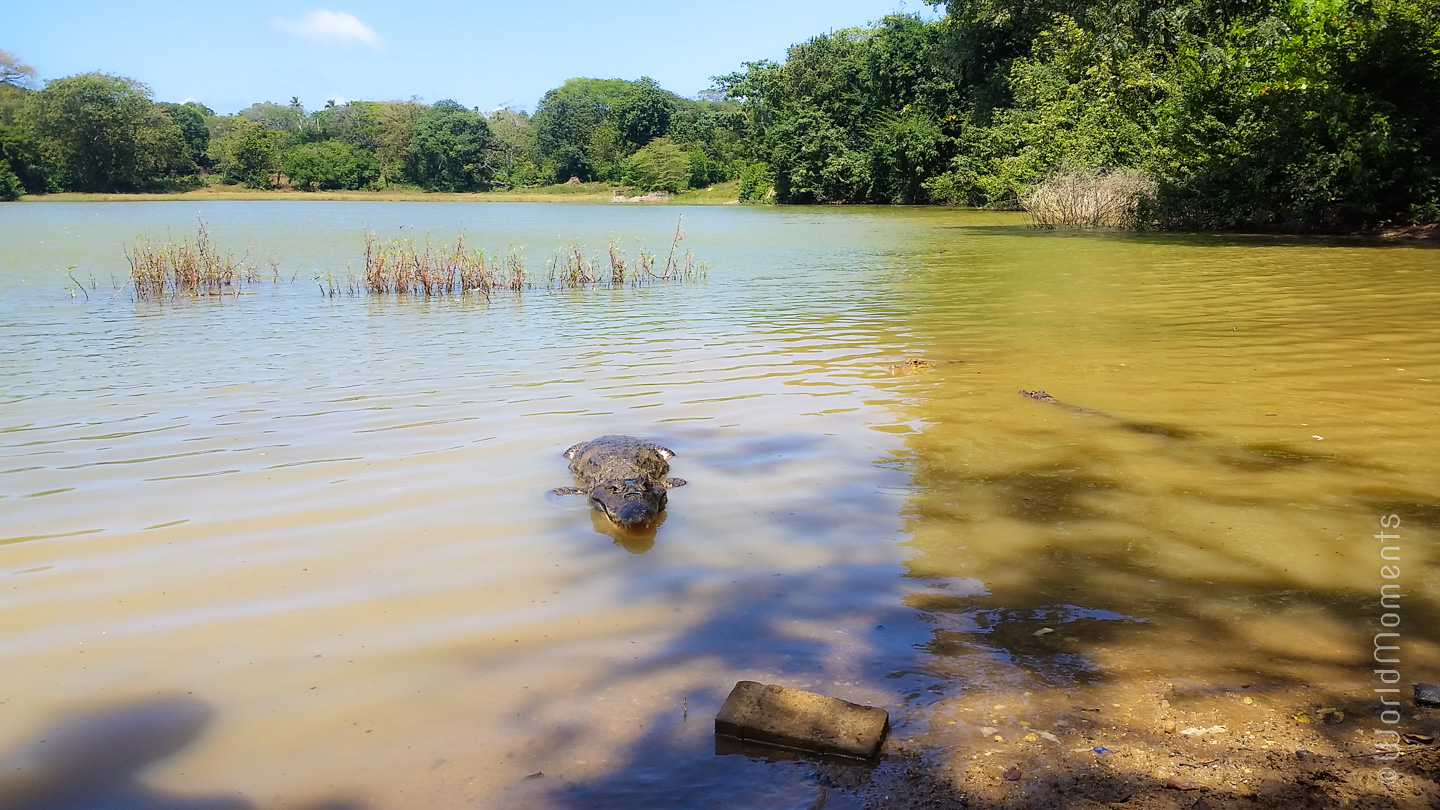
(1427, 694)
(806, 721)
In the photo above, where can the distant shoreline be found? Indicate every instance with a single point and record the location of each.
(719, 194)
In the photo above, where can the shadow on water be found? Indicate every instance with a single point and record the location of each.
(968, 647)
(95, 760)
(1061, 625)
(1261, 456)
(751, 628)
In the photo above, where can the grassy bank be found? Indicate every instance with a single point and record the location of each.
(718, 194)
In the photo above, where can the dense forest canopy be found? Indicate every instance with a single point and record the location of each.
(1248, 114)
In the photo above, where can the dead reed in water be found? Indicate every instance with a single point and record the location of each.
(405, 267)
(184, 269)
(1088, 198)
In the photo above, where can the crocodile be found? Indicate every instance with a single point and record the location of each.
(911, 366)
(624, 477)
(1147, 428)
(1041, 396)
(915, 365)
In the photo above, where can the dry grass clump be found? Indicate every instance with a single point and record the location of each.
(403, 267)
(181, 268)
(1088, 198)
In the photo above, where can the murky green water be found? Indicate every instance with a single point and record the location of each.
(282, 549)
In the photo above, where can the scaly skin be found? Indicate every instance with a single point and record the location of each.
(624, 477)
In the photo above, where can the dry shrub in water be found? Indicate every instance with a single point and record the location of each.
(180, 268)
(1088, 198)
(402, 267)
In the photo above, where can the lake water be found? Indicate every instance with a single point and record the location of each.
(285, 549)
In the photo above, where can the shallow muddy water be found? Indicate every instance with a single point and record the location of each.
(288, 550)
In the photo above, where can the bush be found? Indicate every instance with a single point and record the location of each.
(248, 153)
(522, 173)
(330, 164)
(659, 166)
(756, 184)
(10, 188)
(813, 163)
(19, 150)
(703, 170)
(945, 189)
(904, 150)
(1088, 198)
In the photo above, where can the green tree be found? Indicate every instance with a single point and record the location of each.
(20, 155)
(565, 122)
(450, 149)
(10, 187)
(642, 111)
(905, 150)
(1067, 109)
(659, 166)
(812, 161)
(356, 123)
(606, 150)
(288, 118)
(12, 104)
(15, 72)
(853, 116)
(756, 183)
(1321, 119)
(516, 157)
(248, 153)
(191, 117)
(395, 125)
(588, 128)
(703, 169)
(16, 79)
(329, 164)
(97, 132)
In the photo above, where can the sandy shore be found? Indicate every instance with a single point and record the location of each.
(1147, 747)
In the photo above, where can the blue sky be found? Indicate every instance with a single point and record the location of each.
(481, 54)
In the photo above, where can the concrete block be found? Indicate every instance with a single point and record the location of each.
(792, 718)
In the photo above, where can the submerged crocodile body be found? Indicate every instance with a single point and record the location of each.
(1147, 428)
(624, 477)
(1041, 396)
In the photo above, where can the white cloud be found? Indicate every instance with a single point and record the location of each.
(332, 27)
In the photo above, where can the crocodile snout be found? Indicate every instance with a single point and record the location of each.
(632, 502)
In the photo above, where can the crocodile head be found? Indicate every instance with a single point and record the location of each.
(630, 502)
